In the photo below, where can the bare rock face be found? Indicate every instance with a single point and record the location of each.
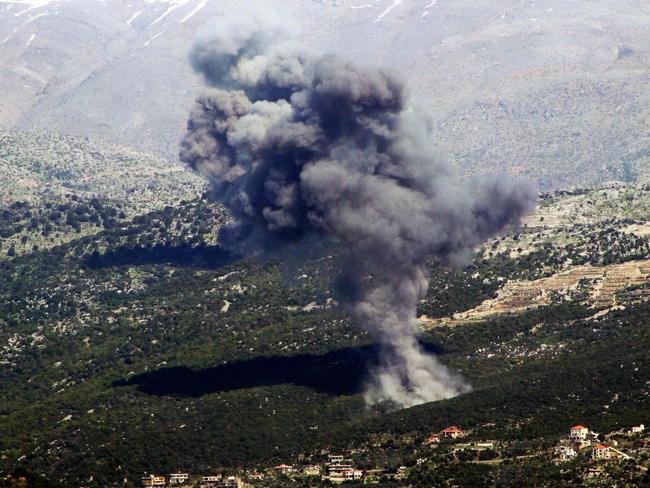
(556, 91)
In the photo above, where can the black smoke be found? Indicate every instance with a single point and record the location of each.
(296, 144)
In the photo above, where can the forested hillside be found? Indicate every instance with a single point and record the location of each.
(137, 344)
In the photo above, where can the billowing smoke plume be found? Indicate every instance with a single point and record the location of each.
(296, 145)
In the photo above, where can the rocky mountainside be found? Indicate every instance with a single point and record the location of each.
(34, 166)
(554, 90)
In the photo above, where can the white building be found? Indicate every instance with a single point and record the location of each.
(578, 433)
(210, 481)
(340, 470)
(284, 469)
(601, 452)
(452, 432)
(345, 474)
(178, 478)
(230, 482)
(637, 429)
(153, 481)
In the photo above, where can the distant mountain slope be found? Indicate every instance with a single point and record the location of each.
(555, 90)
(38, 165)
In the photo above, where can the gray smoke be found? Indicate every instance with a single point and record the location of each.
(296, 145)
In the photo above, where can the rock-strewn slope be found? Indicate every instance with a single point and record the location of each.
(34, 165)
(555, 90)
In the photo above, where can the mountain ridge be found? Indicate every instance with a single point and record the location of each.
(505, 82)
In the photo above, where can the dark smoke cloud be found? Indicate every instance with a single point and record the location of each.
(296, 145)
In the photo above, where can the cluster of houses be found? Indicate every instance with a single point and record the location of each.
(581, 438)
(185, 480)
(339, 469)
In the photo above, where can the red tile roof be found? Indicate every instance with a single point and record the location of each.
(453, 428)
(601, 446)
(578, 427)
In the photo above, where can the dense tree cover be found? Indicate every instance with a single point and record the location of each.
(531, 473)
(25, 478)
(145, 347)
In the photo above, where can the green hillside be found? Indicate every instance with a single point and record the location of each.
(142, 346)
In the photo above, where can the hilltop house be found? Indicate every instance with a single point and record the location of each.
(342, 473)
(153, 481)
(230, 482)
(578, 433)
(210, 481)
(284, 469)
(178, 478)
(637, 429)
(340, 470)
(601, 451)
(452, 432)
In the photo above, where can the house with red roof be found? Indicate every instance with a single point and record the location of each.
(601, 451)
(578, 433)
(452, 432)
(284, 468)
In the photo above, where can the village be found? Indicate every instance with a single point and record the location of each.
(579, 443)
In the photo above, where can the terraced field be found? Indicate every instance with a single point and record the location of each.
(597, 286)
(594, 244)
